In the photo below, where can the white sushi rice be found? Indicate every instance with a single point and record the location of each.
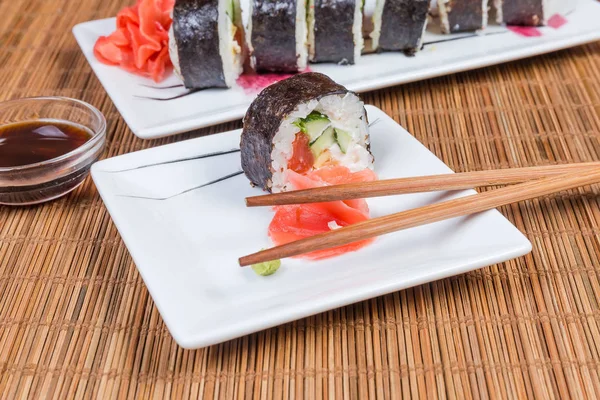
(249, 35)
(485, 11)
(377, 15)
(229, 49)
(173, 51)
(301, 34)
(499, 11)
(359, 42)
(346, 112)
(433, 8)
(310, 21)
(445, 22)
(333, 225)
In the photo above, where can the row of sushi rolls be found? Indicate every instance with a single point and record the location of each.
(308, 131)
(283, 35)
(208, 46)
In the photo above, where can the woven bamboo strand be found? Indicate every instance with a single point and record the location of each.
(76, 318)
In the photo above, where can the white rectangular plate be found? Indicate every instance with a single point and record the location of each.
(186, 248)
(152, 119)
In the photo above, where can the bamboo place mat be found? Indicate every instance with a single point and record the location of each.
(76, 319)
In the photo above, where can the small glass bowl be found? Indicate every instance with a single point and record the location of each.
(48, 180)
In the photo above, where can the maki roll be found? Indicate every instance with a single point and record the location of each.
(301, 124)
(400, 25)
(205, 42)
(277, 35)
(531, 12)
(335, 30)
(463, 15)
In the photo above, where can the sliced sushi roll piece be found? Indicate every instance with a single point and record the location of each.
(276, 35)
(400, 25)
(335, 31)
(531, 12)
(205, 42)
(301, 124)
(463, 15)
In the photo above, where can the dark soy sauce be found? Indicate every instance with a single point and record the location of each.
(30, 142)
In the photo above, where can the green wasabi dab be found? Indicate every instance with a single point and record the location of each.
(266, 268)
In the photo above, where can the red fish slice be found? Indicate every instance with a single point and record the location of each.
(298, 221)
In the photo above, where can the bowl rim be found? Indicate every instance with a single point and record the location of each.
(97, 135)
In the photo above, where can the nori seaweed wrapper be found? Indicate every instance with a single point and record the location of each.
(523, 12)
(465, 15)
(274, 35)
(196, 29)
(402, 24)
(267, 112)
(334, 39)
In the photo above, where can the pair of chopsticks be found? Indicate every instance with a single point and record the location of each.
(530, 183)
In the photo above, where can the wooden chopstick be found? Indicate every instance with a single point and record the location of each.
(389, 187)
(425, 215)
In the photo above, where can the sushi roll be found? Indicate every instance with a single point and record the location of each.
(335, 31)
(205, 42)
(463, 15)
(303, 123)
(276, 35)
(400, 25)
(531, 12)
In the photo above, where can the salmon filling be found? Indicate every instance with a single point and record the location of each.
(302, 159)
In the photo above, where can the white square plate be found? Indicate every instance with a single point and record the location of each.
(186, 248)
(442, 55)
